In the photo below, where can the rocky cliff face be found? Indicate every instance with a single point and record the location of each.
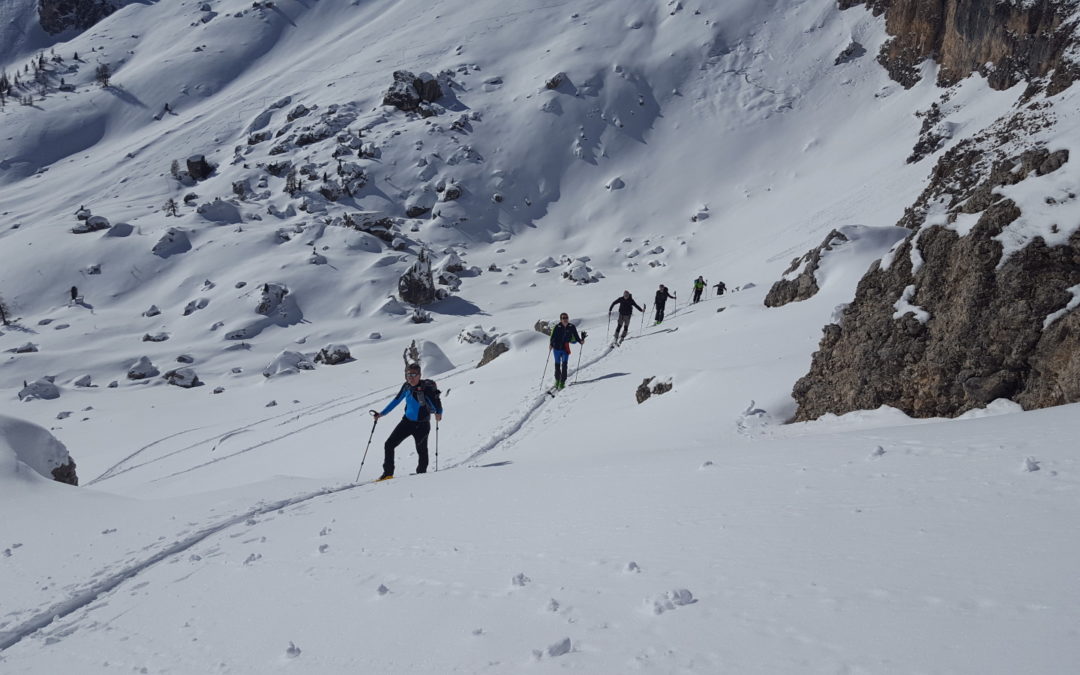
(952, 320)
(978, 303)
(1007, 41)
(57, 16)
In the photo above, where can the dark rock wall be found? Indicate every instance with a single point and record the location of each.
(60, 15)
(1019, 42)
(984, 338)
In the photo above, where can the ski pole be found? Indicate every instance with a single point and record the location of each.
(578, 369)
(436, 445)
(545, 368)
(608, 323)
(369, 443)
(642, 326)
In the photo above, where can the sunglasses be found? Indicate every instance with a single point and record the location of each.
(412, 374)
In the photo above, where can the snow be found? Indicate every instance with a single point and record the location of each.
(695, 532)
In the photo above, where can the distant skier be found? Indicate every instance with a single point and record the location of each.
(699, 286)
(421, 400)
(720, 288)
(74, 294)
(659, 301)
(626, 308)
(563, 335)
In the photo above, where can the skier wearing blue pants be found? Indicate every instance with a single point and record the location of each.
(562, 336)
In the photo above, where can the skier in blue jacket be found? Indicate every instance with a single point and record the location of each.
(421, 399)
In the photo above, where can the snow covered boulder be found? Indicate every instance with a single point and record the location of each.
(579, 272)
(26, 445)
(493, 351)
(183, 377)
(474, 335)
(142, 369)
(332, 355)
(173, 242)
(288, 363)
(417, 285)
(43, 389)
(220, 211)
(199, 168)
(120, 230)
(91, 224)
(408, 91)
(271, 299)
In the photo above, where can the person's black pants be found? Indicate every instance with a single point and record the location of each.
(659, 313)
(405, 428)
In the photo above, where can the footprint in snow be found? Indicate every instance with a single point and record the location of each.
(520, 579)
(671, 600)
(632, 568)
(878, 452)
(564, 646)
(1031, 464)
(382, 589)
(293, 651)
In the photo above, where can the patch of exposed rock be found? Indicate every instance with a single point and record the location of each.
(804, 285)
(333, 355)
(493, 351)
(646, 389)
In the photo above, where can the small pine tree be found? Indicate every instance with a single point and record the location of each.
(174, 169)
(171, 207)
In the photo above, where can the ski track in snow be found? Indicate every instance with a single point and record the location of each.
(89, 594)
(80, 599)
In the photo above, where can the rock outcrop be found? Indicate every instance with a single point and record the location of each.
(1007, 41)
(410, 92)
(803, 285)
(967, 309)
(417, 285)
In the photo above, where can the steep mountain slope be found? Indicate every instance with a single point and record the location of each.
(680, 126)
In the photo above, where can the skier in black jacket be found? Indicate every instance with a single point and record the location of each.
(626, 308)
(659, 301)
(562, 336)
(421, 400)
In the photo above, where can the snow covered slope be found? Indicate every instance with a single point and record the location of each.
(223, 527)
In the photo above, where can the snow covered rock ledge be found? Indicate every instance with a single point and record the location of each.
(24, 444)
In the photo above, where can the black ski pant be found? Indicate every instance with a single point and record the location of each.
(659, 313)
(624, 324)
(697, 294)
(405, 428)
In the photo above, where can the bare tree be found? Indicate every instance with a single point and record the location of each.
(103, 74)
